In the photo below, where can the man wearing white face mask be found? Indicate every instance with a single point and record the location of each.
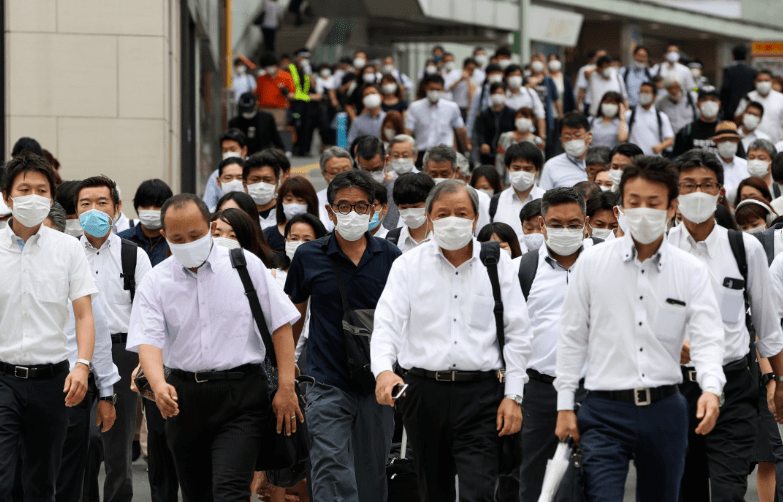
(735, 168)
(760, 155)
(455, 410)
(771, 100)
(605, 79)
(350, 432)
(462, 84)
(482, 100)
(371, 157)
(230, 176)
(568, 168)
(547, 272)
(403, 154)
(242, 81)
(233, 143)
(370, 121)
(699, 133)
(523, 161)
(261, 176)
(637, 73)
(632, 301)
(410, 195)
(147, 201)
(672, 64)
(749, 129)
(727, 448)
(258, 126)
(649, 128)
(334, 160)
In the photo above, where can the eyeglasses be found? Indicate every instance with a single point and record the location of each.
(707, 187)
(569, 227)
(581, 135)
(360, 208)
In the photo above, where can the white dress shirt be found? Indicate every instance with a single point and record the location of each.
(36, 283)
(433, 125)
(645, 133)
(509, 207)
(323, 213)
(460, 94)
(405, 243)
(772, 122)
(776, 276)
(202, 321)
(715, 252)
(562, 171)
(449, 312)
(106, 268)
(680, 113)
(544, 305)
(123, 224)
(483, 213)
(270, 220)
(752, 136)
(103, 367)
(526, 97)
(733, 173)
(626, 319)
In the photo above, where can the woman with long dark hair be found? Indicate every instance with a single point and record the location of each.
(295, 196)
(233, 228)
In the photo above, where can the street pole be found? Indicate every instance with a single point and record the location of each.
(524, 31)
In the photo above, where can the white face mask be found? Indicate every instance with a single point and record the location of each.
(498, 99)
(291, 247)
(757, 229)
(31, 210)
(232, 186)
(495, 78)
(431, 70)
(533, 241)
(452, 233)
(228, 155)
(226, 242)
(515, 81)
(697, 207)
(605, 188)
(709, 109)
(292, 209)
(727, 149)
(390, 88)
(73, 228)
(387, 69)
(696, 72)
(750, 122)
(645, 224)
(434, 96)
(607, 73)
(610, 109)
(763, 88)
(490, 192)
(504, 63)
(575, 147)
(271, 71)
(450, 65)
(600, 233)
(379, 175)
(326, 73)
(389, 134)
(615, 175)
(521, 180)
(481, 59)
(555, 66)
(564, 241)
(402, 166)
(523, 124)
(414, 217)
(248, 115)
(645, 98)
(150, 218)
(438, 181)
(192, 254)
(368, 78)
(262, 193)
(352, 225)
(359, 63)
(537, 66)
(372, 101)
(672, 56)
(758, 168)
(241, 70)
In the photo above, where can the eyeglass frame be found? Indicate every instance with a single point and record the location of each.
(699, 186)
(352, 206)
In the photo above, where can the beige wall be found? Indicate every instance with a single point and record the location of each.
(96, 82)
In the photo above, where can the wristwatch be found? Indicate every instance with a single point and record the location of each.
(85, 362)
(717, 392)
(777, 378)
(766, 378)
(514, 397)
(112, 399)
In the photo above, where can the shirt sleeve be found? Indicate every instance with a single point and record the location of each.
(143, 265)
(456, 118)
(545, 182)
(763, 306)
(581, 80)
(475, 103)
(666, 126)
(147, 323)
(538, 106)
(352, 131)
(80, 281)
(517, 328)
(410, 121)
(106, 373)
(212, 193)
(705, 330)
(391, 314)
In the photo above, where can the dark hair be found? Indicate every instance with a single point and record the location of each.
(531, 210)
(511, 69)
(99, 181)
(613, 96)
(764, 71)
(66, 196)
(26, 144)
(758, 184)
(55, 164)
(505, 233)
(250, 236)
(380, 194)
(227, 162)
(756, 104)
(313, 221)
(430, 79)
(588, 189)
(655, 169)
(299, 186)
(269, 59)
(492, 68)
(266, 158)
(562, 195)
(25, 163)
(151, 193)
(355, 178)
(368, 147)
(468, 61)
(495, 86)
(777, 168)
(575, 120)
(245, 203)
(181, 200)
(749, 212)
(412, 188)
(524, 150)
(603, 201)
(504, 50)
(234, 135)
(629, 150)
(488, 172)
(651, 85)
(603, 60)
(641, 47)
(701, 158)
(739, 52)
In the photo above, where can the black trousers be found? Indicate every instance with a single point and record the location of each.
(719, 462)
(216, 436)
(33, 424)
(74, 460)
(452, 430)
(164, 483)
(269, 39)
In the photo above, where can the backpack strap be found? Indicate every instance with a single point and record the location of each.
(631, 121)
(528, 266)
(394, 235)
(692, 104)
(239, 262)
(660, 125)
(737, 244)
(490, 256)
(128, 255)
(776, 190)
(493, 207)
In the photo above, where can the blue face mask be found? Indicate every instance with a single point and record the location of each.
(375, 221)
(95, 222)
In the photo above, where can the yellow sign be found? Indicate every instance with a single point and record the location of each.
(767, 49)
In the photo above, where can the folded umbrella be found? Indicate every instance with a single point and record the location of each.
(555, 470)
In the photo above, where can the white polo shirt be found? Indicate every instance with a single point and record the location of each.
(644, 133)
(433, 125)
(509, 207)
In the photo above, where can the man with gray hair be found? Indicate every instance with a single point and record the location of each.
(678, 104)
(333, 161)
(403, 154)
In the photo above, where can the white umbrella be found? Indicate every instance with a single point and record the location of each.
(555, 470)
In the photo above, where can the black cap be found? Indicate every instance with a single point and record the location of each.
(247, 102)
(708, 91)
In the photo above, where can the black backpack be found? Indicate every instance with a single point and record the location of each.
(394, 235)
(528, 266)
(493, 207)
(128, 258)
(738, 249)
(657, 115)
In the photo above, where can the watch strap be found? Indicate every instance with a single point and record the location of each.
(777, 378)
(85, 362)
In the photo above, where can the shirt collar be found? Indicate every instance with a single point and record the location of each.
(627, 250)
(476, 252)
(106, 244)
(8, 237)
(577, 162)
(543, 252)
(687, 242)
(333, 247)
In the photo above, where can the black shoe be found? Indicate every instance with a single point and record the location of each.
(136, 451)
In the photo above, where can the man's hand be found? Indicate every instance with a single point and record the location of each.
(286, 408)
(771, 386)
(469, 145)
(707, 410)
(778, 402)
(76, 384)
(485, 149)
(133, 379)
(685, 353)
(384, 385)
(106, 415)
(657, 149)
(509, 419)
(166, 399)
(566, 426)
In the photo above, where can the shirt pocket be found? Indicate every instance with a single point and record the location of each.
(480, 313)
(670, 322)
(732, 308)
(51, 289)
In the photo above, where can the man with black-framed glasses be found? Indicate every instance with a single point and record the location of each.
(723, 456)
(350, 432)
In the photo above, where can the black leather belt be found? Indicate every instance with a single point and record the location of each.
(454, 376)
(640, 397)
(689, 372)
(35, 371)
(237, 373)
(119, 338)
(535, 375)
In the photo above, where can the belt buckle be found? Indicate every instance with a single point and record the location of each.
(692, 375)
(641, 397)
(201, 381)
(17, 373)
(451, 376)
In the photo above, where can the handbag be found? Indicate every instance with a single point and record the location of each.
(278, 451)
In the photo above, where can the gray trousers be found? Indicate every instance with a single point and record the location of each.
(350, 437)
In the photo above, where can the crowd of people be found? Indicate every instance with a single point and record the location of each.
(540, 262)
